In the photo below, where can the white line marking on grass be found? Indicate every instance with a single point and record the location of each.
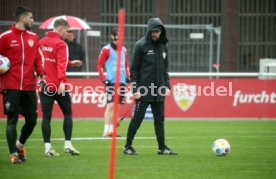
(94, 138)
(106, 146)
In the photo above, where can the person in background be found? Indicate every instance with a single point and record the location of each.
(108, 59)
(18, 85)
(55, 53)
(76, 51)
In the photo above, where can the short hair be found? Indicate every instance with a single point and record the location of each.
(114, 31)
(61, 22)
(21, 10)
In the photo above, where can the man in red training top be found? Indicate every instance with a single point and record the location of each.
(18, 85)
(55, 53)
(108, 59)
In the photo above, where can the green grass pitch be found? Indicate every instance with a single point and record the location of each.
(252, 155)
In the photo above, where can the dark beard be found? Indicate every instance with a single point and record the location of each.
(157, 41)
(28, 27)
(114, 46)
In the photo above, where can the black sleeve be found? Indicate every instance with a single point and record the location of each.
(82, 54)
(166, 71)
(135, 68)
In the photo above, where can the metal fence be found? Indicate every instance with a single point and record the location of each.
(195, 55)
(257, 37)
(192, 48)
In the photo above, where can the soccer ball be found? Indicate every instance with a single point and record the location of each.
(221, 147)
(4, 64)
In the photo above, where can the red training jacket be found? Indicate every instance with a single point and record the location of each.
(55, 53)
(22, 49)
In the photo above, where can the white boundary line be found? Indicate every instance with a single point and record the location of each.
(91, 138)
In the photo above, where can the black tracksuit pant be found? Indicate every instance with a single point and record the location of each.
(139, 114)
(64, 102)
(19, 102)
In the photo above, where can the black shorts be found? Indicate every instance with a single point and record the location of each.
(110, 92)
(21, 102)
(64, 101)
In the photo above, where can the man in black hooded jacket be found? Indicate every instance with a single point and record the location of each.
(150, 84)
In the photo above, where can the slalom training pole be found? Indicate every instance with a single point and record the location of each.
(116, 96)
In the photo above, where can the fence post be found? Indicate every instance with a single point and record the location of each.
(86, 52)
(211, 48)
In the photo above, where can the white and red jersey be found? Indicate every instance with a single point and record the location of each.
(55, 53)
(108, 59)
(22, 49)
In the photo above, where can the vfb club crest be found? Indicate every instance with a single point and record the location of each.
(184, 95)
(164, 54)
(30, 42)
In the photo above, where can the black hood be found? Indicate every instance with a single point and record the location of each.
(153, 22)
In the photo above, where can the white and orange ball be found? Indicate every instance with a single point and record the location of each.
(221, 147)
(4, 64)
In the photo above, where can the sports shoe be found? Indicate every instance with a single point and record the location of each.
(72, 151)
(21, 153)
(110, 135)
(51, 153)
(130, 151)
(166, 151)
(106, 134)
(15, 159)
